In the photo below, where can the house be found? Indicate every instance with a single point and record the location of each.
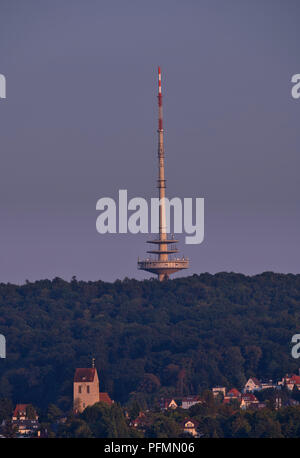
(27, 427)
(143, 421)
(190, 427)
(253, 384)
(21, 412)
(218, 390)
(25, 420)
(232, 394)
(86, 389)
(269, 384)
(248, 400)
(168, 403)
(290, 381)
(190, 401)
(139, 422)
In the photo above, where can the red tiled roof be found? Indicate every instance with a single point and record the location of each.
(234, 392)
(140, 420)
(295, 378)
(104, 397)
(85, 374)
(20, 409)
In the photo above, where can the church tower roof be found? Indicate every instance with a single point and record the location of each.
(85, 374)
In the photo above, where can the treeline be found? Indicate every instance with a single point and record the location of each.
(149, 339)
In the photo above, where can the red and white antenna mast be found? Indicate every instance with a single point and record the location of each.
(161, 165)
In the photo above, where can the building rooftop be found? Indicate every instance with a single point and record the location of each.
(104, 397)
(84, 374)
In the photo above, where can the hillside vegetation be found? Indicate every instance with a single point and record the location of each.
(149, 339)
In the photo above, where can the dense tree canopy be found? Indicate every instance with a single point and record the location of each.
(149, 338)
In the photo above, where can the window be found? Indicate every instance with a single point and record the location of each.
(88, 388)
(79, 389)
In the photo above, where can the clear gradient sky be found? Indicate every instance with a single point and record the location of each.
(80, 119)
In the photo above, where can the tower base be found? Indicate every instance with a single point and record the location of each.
(163, 269)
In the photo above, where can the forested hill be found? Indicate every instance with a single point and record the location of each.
(148, 338)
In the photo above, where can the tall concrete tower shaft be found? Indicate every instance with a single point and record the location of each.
(165, 249)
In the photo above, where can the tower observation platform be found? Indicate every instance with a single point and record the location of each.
(166, 260)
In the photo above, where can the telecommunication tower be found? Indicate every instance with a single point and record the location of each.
(165, 262)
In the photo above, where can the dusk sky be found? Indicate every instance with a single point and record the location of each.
(80, 118)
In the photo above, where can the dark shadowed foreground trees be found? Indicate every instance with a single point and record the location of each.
(98, 420)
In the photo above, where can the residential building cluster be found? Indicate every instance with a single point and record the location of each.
(25, 421)
(246, 398)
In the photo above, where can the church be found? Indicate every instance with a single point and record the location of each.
(86, 389)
